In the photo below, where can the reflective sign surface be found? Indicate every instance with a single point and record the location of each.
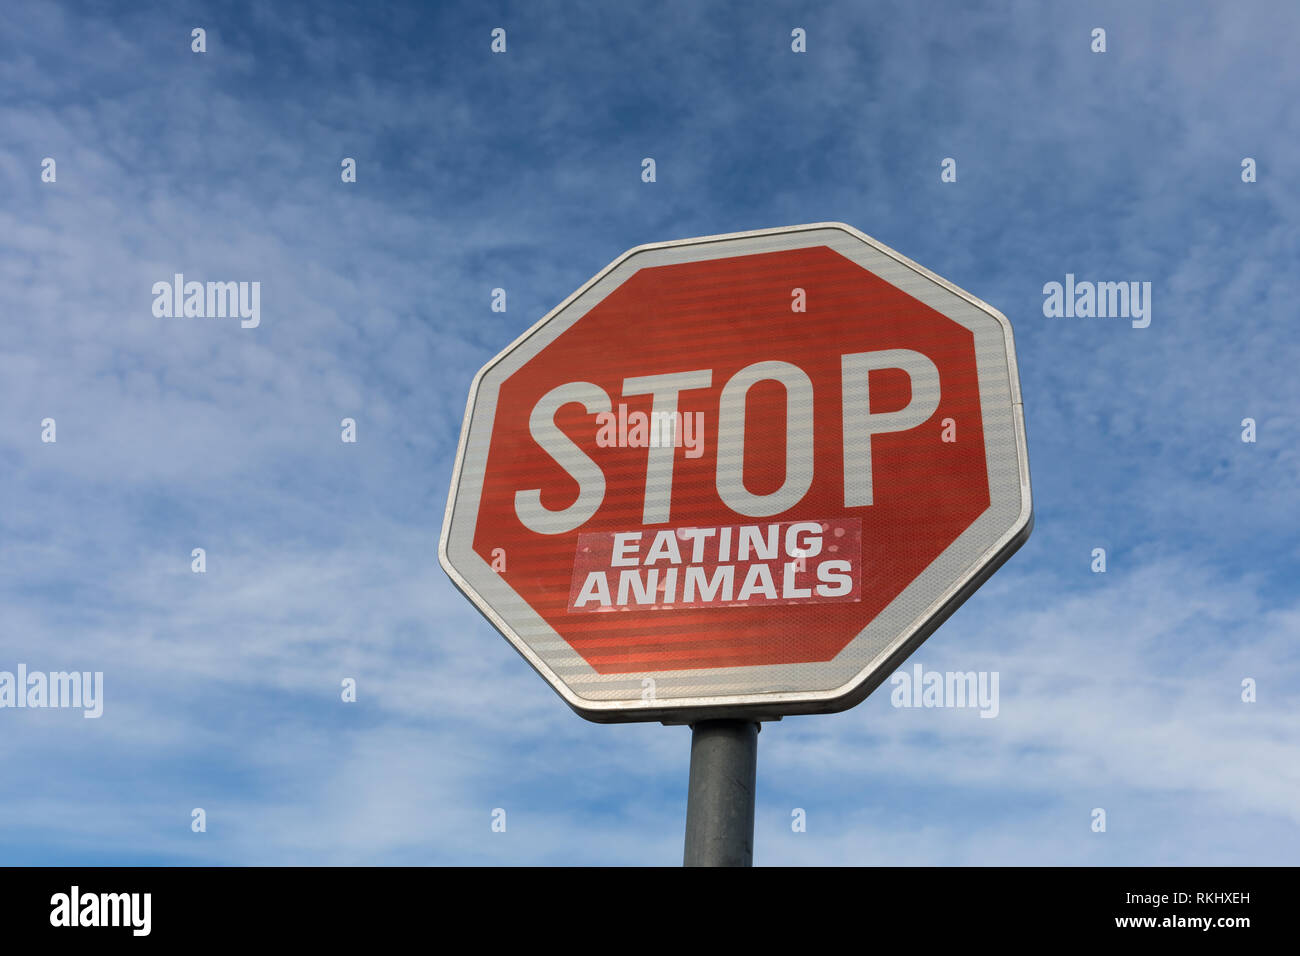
(739, 474)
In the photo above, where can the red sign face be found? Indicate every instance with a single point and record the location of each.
(709, 474)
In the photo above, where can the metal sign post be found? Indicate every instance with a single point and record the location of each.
(720, 795)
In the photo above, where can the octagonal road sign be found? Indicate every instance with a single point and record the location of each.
(740, 475)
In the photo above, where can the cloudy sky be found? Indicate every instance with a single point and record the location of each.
(1119, 690)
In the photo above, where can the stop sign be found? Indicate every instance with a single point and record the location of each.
(740, 475)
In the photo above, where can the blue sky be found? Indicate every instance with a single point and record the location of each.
(1118, 690)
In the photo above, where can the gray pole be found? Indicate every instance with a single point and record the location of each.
(720, 796)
